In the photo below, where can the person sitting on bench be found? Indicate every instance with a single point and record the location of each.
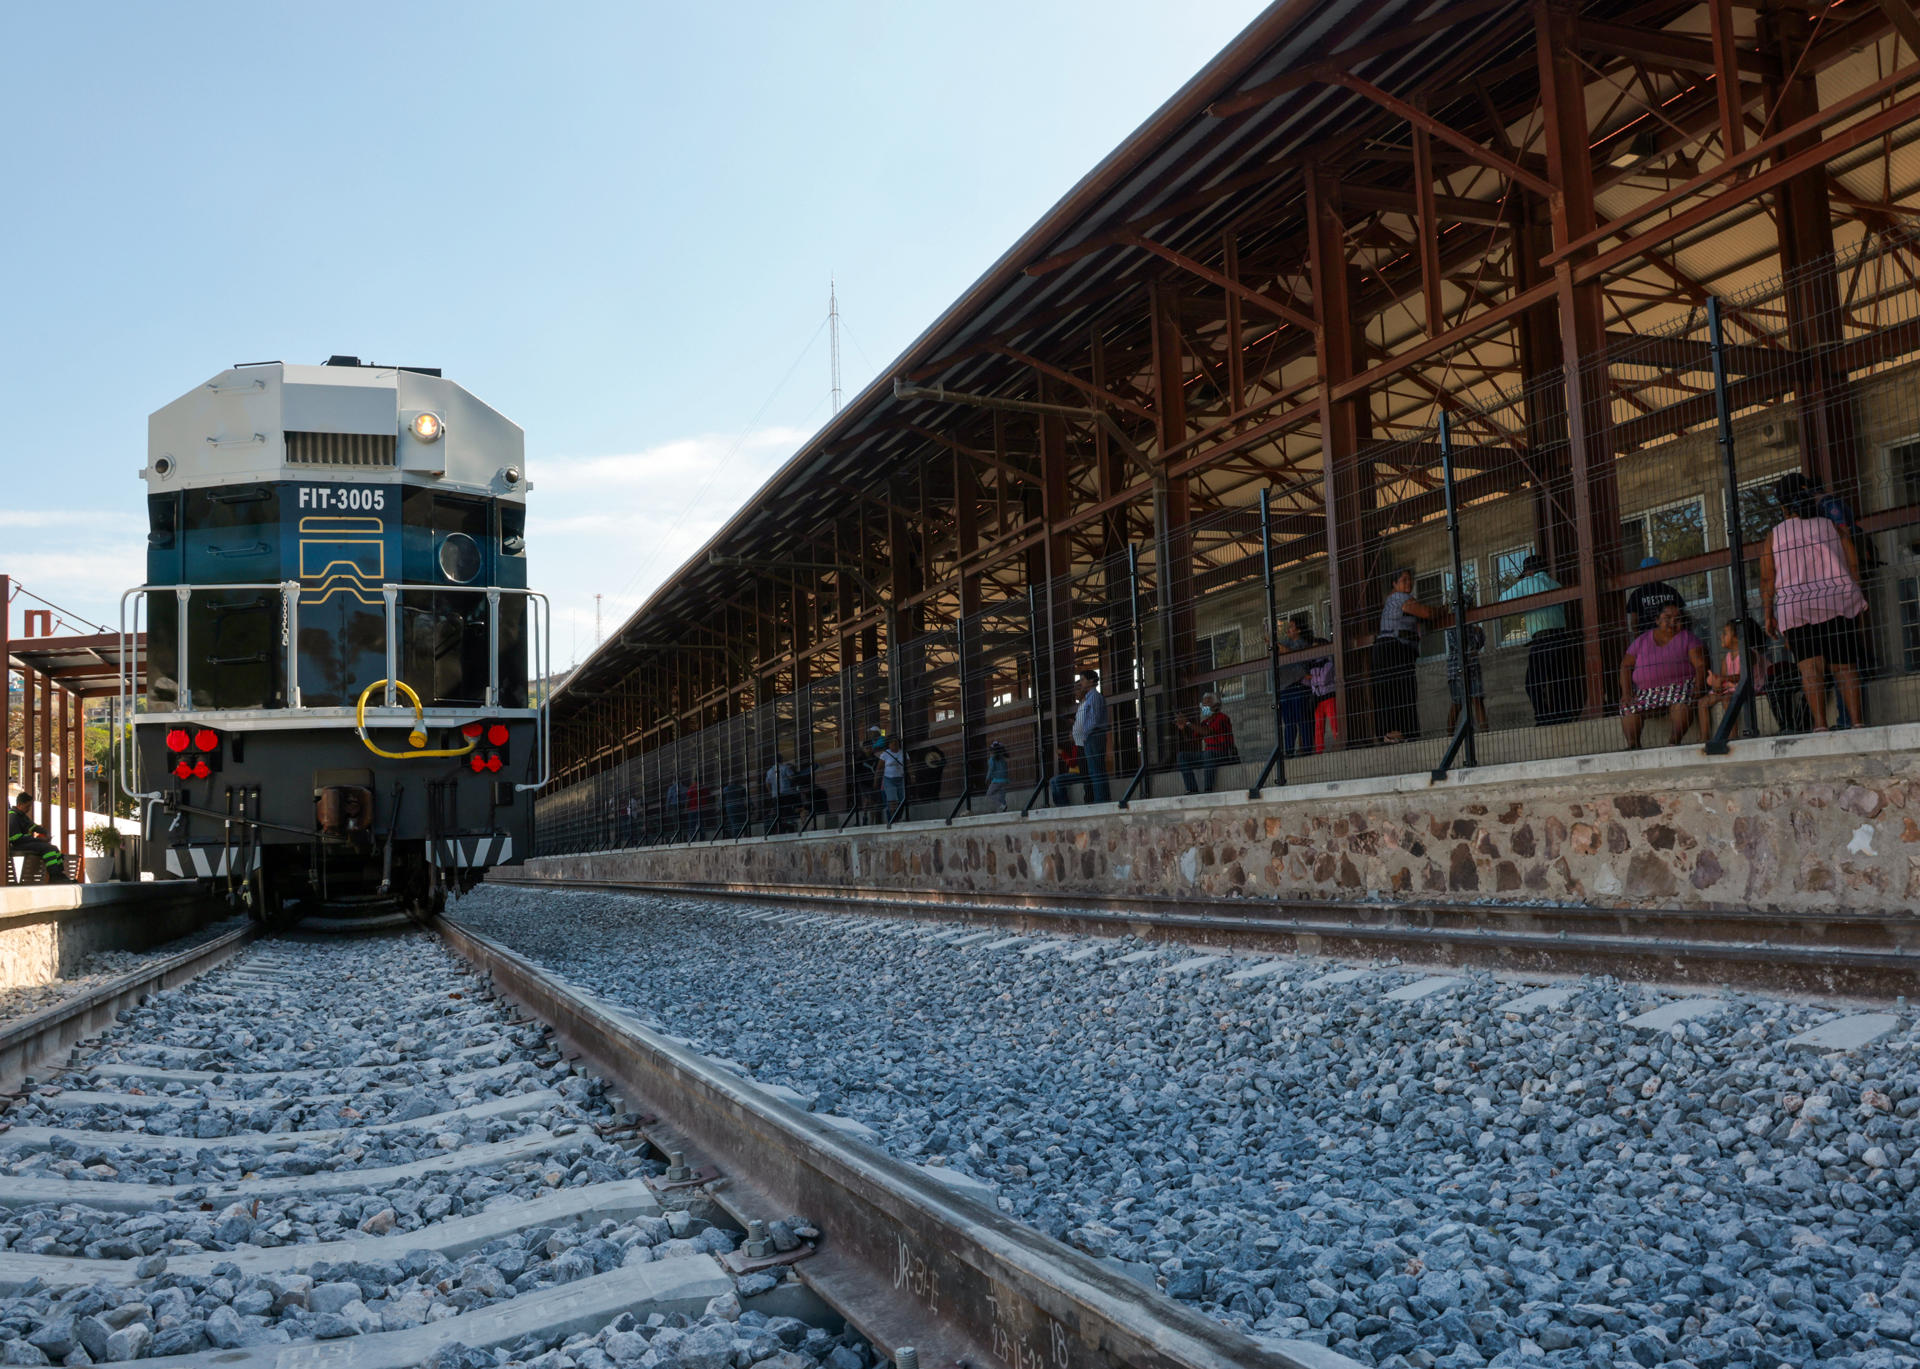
(28, 839)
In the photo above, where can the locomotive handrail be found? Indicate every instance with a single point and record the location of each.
(540, 624)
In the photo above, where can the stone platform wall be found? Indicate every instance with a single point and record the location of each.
(1827, 823)
(47, 930)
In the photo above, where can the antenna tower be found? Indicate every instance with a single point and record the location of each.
(596, 620)
(833, 334)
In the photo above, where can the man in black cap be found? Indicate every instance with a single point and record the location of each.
(27, 838)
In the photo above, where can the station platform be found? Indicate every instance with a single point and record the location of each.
(1822, 824)
(47, 930)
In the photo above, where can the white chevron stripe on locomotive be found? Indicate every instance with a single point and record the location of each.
(206, 862)
(451, 852)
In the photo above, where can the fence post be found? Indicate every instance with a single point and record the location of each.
(1716, 745)
(1276, 763)
(1140, 776)
(966, 727)
(1042, 761)
(1463, 735)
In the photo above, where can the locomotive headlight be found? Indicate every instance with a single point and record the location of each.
(511, 475)
(426, 427)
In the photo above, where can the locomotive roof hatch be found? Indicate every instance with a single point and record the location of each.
(341, 421)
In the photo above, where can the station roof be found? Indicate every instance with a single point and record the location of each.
(1299, 87)
(86, 665)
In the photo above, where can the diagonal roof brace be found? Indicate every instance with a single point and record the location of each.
(940, 394)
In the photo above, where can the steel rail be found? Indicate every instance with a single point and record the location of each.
(34, 1041)
(1848, 955)
(905, 1259)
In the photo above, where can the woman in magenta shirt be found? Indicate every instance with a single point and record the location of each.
(1810, 587)
(1663, 669)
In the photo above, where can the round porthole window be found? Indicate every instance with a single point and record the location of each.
(459, 557)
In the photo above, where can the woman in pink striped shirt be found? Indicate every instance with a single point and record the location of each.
(1810, 587)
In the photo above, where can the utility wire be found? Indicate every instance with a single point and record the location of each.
(720, 466)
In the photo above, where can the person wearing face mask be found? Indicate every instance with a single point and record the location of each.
(1208, 745)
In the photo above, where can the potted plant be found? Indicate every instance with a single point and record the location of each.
(103, 842)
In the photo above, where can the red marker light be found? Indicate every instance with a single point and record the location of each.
(206, 739)
(200, 770)
(477, 764)
(183, 770)
(493, 762)
(177, 739)
(473, 730)
(497, 735)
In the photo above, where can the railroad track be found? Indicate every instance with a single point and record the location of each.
(1839, 955)
(359, 1153)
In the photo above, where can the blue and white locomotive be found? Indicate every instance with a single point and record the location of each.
(340, 640)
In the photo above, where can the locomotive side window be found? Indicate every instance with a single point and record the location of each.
(511, 570)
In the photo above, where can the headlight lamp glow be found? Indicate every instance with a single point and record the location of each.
(426, 427)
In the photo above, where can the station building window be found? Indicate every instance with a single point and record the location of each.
(1218, 650)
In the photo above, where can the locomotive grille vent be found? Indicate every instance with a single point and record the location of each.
(340, 449)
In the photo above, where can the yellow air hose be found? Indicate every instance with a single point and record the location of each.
(417, 738)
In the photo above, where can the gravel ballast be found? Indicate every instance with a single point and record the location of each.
(97, 969)
(1435, 1181)
(311, 1062)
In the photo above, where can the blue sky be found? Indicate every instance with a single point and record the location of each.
(615, 223)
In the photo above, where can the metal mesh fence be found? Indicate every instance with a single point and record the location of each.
(1720, 516)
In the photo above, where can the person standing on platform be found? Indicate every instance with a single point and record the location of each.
(781, 794)
(1810, 588)
(893, 776)
(1090, 733)
(997, 777)
(28, 840)
(1553, 654)
(1396, 650)
(1296, 700)
(1326, 706)
(1208, 745)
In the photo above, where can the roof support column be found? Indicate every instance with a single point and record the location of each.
(1112, 475)
(1538, 335)
(43, 785)
(1054, 677)
(1829, 436)
(1344, 426)
(1583, 353)
(970, 687)
(1172, 512)
(907, 684)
